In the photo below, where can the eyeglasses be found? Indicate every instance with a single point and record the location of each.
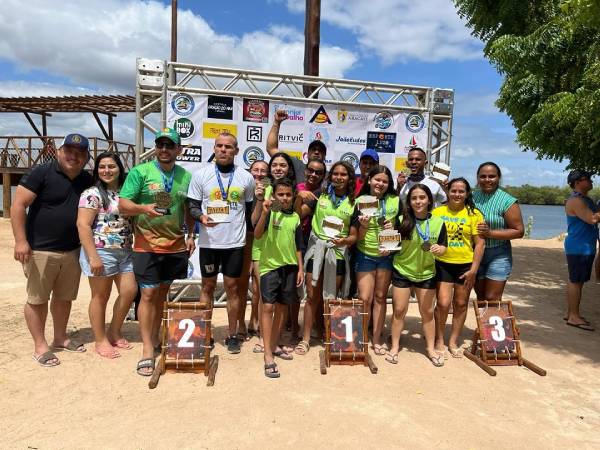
(313, 171)
(168, 145)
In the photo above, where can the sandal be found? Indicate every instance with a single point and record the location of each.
(302, 348)
(252, 332)
(283, 355)
(244, 337)
(72, 346)
(271, 370)
(45, 358)
(391, 358)
(146, 363)
(379, 350)
(258, 348)
(122, 343)
(456, 352)
(438, 360)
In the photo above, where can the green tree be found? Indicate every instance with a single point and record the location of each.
(549, 54)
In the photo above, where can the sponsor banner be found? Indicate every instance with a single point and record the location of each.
(321, 134)
(294, 154)
(350, 157)
(322, 116)
(254, 133)
(296, 113)
(400, 164)
(381, 142)
(211, 130)
(347, 118)
(182, 104)
(255, 110)
(220, 107)
(185, 127)
(251, 154)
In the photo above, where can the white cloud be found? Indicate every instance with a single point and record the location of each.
(402, 30)
(96, 42)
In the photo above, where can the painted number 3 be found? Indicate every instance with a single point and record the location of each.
(188, 325)
(348, 323)
(498, 332)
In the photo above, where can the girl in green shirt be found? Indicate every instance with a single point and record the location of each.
(374, 271)
(423, 238)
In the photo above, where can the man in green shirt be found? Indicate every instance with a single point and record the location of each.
(154, 193)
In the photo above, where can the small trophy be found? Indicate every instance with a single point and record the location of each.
(162, 202)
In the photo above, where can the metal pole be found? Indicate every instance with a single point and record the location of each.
(173, 30)
(312, 38)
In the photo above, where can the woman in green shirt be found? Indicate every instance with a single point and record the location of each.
(374, 271)
(326, 259)
(423, 238)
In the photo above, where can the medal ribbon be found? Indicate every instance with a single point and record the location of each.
(382, 205)
(334, 199)
(167, 183)
(423, 235)
(224, 193)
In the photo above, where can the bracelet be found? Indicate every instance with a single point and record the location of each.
(193, 236)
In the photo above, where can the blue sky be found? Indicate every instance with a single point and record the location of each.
(67, 47)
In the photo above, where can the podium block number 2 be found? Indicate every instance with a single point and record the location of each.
(188, 325)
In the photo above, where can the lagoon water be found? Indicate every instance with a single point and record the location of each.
(548, 221)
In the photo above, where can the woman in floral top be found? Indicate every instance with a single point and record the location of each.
(106, 239)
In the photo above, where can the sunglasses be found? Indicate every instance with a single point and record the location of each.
(168, 145)
(313, 171)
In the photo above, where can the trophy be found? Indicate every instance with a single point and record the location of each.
(162, 202)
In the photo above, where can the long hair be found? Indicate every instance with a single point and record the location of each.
(469, 203)
(351, 179)
(288, 159)
(366, 188)
(407, 225)
(101, 185)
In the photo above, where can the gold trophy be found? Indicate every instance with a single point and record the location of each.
(162, 202)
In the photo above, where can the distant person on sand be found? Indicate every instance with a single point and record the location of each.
(580, 243)
(47, 243)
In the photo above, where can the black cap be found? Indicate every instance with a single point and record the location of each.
(576, 175)
(317, 145)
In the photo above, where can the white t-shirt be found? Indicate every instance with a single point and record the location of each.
(439, 196)
(205, 187)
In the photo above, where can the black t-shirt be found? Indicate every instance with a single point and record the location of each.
(52, 218)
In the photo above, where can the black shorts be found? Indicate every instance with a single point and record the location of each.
(279, 285)
(228, 261)
(451, 273)
(340, 267)
(153, 269)
(400, 281)
(580, 267)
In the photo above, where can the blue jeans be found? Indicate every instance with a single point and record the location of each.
(496, 263)
(366, 263)
(115, 260)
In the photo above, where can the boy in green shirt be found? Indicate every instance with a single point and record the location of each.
(281, 267)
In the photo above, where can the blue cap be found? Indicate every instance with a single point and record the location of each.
(76, 140)
(370, 153)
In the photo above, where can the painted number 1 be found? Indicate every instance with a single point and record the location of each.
(348, 323)
(498, 332)
(188, 325)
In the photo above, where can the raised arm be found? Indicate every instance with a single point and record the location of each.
(273, 137)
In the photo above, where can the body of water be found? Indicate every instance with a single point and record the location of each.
(548, 221)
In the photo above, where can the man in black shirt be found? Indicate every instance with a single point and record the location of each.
(47, 243)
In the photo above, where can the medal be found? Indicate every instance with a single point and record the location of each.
(162, 202)
(265, 181)
(167, 183)
(224, 193)
(381, 221)
(426, 245)
(275, 205)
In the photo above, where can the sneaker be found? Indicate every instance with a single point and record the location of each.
(233, 345)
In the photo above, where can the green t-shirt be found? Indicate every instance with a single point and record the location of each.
(157, 234)
(257, 244)
(280, 241)
(324, 208)
(412, 261)
(370, 244)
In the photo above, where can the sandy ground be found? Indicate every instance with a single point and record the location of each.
(89, 402)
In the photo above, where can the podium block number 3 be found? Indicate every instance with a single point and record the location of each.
(498, 333)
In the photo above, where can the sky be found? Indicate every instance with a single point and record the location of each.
(70, 47)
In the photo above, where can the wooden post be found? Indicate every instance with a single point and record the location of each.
(6, 198)
(173, 30)
(312, 38)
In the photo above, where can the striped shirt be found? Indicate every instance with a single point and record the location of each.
(494, 206)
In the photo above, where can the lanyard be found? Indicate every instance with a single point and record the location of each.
(224, 193)
(334, 200)
(424, 235)
(382, 203)
(167, 183)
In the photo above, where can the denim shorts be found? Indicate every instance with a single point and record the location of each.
(496, 263)
(115, 260)
(366, 263)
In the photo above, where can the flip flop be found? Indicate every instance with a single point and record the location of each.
(391, 358)
(582, 318)
(108, 353)
(455, 352)
(271, 370)
(437, 361)
(45, 358)
(283, 355)
(379, 350)
(146, 363)
(70, 347)
(286, 348)
(258, 348)
(582, 326)
(122, 343)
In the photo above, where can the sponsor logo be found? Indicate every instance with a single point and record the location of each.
(220, 107)
(383, 120)
(183, 104)
(320, 116)
(294, 154)
(184, 127)
(412, 143)
(354, 140)
(211, 130)
(252, 154)
(414, 122)
(400, 164)
(345, 117)
(381, 142)
(76, 139)
(294, 114)
(320, 134)
(253, 133)
(255, 110)
(193, 153)
(292, 138)
(351, 158)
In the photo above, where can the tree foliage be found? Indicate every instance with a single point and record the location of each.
(549, 54)
(545, 195)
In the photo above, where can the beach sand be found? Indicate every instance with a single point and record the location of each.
(90, 402)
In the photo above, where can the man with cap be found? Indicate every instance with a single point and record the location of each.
(368, 159)
(47, 243)
(580, 243)
(154, 194)
(316, 149)
(416, 161)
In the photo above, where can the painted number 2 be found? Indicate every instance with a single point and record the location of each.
(498, 332)
(188, 325)
(348, 323)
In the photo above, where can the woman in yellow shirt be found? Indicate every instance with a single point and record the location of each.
(457, 268)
